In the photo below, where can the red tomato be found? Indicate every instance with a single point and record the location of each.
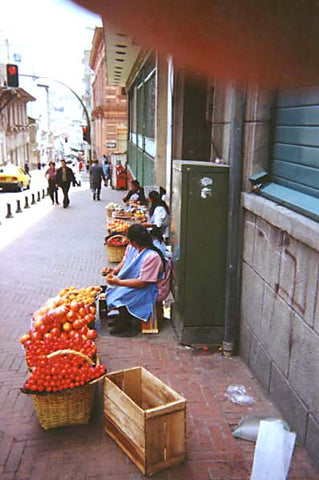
(91, 334)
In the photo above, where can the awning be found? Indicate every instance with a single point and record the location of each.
(273, 43)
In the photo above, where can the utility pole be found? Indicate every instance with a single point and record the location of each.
(86, 113)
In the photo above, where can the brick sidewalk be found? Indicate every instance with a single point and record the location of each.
(66, 248)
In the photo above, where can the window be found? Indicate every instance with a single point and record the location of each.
(294, 176)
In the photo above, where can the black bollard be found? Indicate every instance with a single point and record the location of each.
(38, 197)
(33, 199)
(26, 204)
(18, 210)
(9, 214)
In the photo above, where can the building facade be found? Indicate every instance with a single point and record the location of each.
(109, 106)
(15, 143)
(270, 142)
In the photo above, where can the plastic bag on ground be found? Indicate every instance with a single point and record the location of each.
(238, 394)
(273, 452)
(248, 426)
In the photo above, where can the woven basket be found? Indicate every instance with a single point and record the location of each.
(71, 407)
(115, 254)
(109, 212)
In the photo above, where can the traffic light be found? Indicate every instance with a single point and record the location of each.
(12, 75)
(86, 134)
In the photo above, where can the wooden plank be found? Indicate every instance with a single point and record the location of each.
(127, 446)
(165, 441)
(151, 326)
(124, 403)
(132, 430)
(132, 385)
(160, 389)
(167, 408)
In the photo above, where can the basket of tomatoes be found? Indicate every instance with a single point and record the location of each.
(62, 385)
(115, 247)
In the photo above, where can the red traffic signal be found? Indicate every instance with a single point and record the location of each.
(86, 134)
(12, 75)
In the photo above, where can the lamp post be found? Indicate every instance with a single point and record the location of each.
(49, 145)
(86, 113)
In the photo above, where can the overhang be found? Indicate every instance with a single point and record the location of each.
(121, 55)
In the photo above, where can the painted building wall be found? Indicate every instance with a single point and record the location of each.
(109, 109)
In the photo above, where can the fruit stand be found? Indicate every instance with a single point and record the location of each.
(62, 359)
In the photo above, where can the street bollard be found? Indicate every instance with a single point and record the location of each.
(43, 193)
(38, 197)
(26, 204)
(33, 199)
(18, 210)
(9, 214)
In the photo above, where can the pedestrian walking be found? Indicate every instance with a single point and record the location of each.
(96, 175)
(64, 178)
(27, 168)
(107, 171)
(50, 175)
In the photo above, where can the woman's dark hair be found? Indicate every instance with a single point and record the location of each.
(156, 202)
(136, 183)
(137, 233)
(156, 234)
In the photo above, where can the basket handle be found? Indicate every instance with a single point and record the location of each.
(73, 352)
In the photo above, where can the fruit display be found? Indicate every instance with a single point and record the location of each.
(118, 241)
(62, 371)
(139, 216)
(117, 225)
(59, 347)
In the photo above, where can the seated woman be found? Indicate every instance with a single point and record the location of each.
(163, 284)
(133, 283)
(136, 193)
(158, 214)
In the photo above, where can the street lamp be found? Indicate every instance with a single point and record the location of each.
(49, 146)
(86, 113)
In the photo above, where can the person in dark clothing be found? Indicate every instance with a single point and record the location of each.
(96, 175)
(136, 193)
(50, 175)
(64, 178)
(107, 171)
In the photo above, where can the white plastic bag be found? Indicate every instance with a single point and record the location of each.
(238, 394)
(273, 452)
(248, 426)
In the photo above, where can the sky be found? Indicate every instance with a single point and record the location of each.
(49, 35)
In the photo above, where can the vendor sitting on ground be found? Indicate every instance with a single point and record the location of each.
(133, 283)
(158, 214)
(136, 193)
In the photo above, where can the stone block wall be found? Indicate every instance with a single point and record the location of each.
(279, 329)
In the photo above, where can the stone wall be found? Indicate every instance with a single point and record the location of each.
(279, 336)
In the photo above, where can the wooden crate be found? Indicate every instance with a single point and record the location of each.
(146, 418)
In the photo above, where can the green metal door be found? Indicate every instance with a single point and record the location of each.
(199, 237)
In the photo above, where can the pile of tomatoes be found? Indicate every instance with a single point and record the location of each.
(62, 372)
(63, 324)
(118, 241)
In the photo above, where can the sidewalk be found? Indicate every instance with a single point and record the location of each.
(65, 247)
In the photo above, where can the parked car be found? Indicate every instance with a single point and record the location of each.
(13, 178)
